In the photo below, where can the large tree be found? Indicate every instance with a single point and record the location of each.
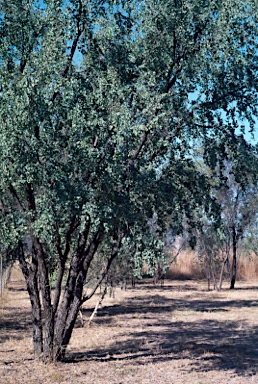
(101, 103)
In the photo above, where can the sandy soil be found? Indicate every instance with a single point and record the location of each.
(177, 334)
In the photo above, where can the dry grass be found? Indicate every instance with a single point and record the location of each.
(248, 267)
(178, 334)
(187, 267)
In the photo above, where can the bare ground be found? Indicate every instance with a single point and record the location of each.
(178, 334)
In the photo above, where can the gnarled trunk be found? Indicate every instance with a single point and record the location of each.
(53, 323)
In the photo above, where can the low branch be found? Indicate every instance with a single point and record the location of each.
(100, 280)
(101, 298)
(105, 272)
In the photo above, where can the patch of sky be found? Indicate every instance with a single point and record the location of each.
(244, 128)
(40, 4)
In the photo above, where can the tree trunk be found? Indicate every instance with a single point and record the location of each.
(36, 320)
(52, 330)
(31, 278)
(208, 273)
(71, 301)
(225, 261)
(234, 261)
(69, 328)
(214, 278)
(64, 332)
(46, 300)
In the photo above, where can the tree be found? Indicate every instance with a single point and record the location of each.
(101, 105)
(238, 201)
(234, 191)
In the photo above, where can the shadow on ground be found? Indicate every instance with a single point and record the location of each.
(211, 344)
(14, 326)
(15, 320)
(159, 304)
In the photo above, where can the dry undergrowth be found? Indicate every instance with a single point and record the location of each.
(178, 334)
(186, 266)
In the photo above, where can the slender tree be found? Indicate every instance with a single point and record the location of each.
(234, 191)
(238, 201)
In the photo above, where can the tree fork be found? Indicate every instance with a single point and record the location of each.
(73, 297)
(72, 277)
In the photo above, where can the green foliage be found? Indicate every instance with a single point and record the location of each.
(72, 131)
(101, 106)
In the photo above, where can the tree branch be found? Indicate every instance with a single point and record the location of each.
(22, 261)
(80, 26)
(63, 258)
(16, 197)
(2, 208)
(30, 197)
(138, 149)
(101, 278)
(105, 272)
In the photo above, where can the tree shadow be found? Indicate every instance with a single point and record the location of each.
(250, 288)
(17, 289)
(13, 327)
(211, 344)
(157, 303)
(147, 284)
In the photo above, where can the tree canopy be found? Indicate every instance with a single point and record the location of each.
(101, 106)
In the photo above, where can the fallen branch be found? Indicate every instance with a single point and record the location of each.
(101, 298)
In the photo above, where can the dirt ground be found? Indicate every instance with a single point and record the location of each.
(177, 334)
